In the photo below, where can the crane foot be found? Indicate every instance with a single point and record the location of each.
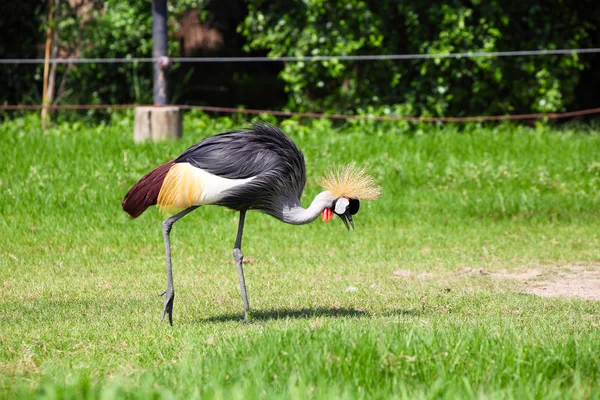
(248, 319)
(168, 308)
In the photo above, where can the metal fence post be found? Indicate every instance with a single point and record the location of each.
(159, 41)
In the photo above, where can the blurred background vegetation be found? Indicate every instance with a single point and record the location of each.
(441, 87)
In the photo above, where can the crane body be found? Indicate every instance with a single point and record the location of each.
(259, 168)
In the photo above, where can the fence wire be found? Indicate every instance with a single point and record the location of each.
(230, 110)
(312, 58)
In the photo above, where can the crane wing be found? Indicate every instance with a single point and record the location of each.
(262, 152)
(244, 153)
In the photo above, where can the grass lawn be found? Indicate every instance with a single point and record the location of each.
(409, 305)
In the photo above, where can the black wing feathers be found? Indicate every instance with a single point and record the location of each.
(262, 151)
(242, 154)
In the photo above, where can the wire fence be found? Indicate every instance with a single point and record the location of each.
(230, 110)
(312, 58)
(163, 61)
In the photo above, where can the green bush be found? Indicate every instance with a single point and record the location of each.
(432, 87)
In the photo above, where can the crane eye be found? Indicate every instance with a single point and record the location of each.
(354, 206)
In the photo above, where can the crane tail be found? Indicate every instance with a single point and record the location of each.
(145, 192)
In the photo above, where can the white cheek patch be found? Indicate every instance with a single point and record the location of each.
(340, 205)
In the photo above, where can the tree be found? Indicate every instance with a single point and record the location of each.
(430, 87)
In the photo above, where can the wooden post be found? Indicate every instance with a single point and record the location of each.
(53, 54)
(157, 123)
(46, 66)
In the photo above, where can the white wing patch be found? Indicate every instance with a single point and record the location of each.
(186, 186)
(213, 186)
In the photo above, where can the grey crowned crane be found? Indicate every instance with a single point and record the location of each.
(259, 168)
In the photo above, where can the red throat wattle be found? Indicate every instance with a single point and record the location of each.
(326, 215)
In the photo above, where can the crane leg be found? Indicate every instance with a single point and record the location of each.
(239, 261)
(170, 292)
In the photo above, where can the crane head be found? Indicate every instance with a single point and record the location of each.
(347, 184)
(344, 208)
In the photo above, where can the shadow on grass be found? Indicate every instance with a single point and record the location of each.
(303, 313)
(263, 315)
(403, 313)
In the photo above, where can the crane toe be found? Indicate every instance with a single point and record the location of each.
(168, 308)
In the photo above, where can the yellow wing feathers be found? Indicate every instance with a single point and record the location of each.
(351, 182)
(181, 188)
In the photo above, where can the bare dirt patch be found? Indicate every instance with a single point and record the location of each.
(563, 281)
(578, 281)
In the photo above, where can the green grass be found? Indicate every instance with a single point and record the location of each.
(80, 315)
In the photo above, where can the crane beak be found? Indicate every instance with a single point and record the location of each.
(347, 218)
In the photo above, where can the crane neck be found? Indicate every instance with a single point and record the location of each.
(293, 213)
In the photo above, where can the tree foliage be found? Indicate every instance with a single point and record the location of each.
(20, 20)
(112, 29)
(89, 29)
(435, 87)
(440, 87)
